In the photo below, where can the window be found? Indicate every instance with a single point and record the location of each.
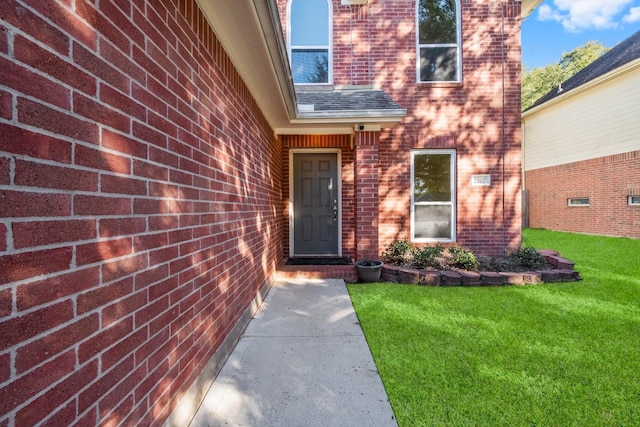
(309, 41)
(433, 196)
(579, 201)
(634, 200)
(438, 41)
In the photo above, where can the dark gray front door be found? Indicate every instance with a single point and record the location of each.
(315, 204)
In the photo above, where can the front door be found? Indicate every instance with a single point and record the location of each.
(315, 204)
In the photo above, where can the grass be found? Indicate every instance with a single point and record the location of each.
(546, 355)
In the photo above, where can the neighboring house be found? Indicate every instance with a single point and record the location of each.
(582, 148)
(159, 159)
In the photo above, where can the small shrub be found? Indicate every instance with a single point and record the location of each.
(398, 252)
(463, 258)
(427, 256)
(527, 257)
(489, 263)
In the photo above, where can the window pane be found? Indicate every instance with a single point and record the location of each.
(437, 22)
(310, 66)
(432, 178)
(579, 201)
(310, 23)
(432, 222)
(438, 64)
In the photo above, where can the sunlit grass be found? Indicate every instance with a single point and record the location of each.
(547, 355)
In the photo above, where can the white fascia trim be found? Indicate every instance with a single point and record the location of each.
(351, 115)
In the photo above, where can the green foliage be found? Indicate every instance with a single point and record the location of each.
(558, 354)
(398, 252)
(427, 256)
(580, 57)
(463, 258)
(527, 257)
(432, 180)
(321, 70)
(537, 82)
(437, 21)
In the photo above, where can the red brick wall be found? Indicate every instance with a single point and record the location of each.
(606, 181)
(367, 184)
(480, 117)
(139, 207)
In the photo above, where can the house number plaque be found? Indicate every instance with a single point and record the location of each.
(480, 180)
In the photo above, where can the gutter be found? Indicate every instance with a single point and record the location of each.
(341, 116)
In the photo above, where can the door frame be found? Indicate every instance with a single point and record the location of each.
(338, 153)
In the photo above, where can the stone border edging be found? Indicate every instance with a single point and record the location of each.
(562, 271)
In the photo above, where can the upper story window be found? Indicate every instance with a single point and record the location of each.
(309, 40)
(438, 41)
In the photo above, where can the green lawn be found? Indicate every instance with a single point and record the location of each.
(563, 354)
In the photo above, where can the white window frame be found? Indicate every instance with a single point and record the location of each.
(329, 48)
(457, 45)
(574, 202)
(452, 203)
(634, 200)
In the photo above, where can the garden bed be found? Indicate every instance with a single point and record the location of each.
(554, 269)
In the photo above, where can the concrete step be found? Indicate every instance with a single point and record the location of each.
(346, 272)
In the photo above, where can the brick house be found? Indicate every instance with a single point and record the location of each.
(159, 159)
(591, 182)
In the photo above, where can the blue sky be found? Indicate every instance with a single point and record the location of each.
(558, 26)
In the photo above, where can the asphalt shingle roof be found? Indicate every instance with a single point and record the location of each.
(625, 52)
(336, 100)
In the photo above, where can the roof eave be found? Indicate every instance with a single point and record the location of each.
(528, 6)
(345, 123)
(340, 116)
(629, 66)
(269, 19)
(251, 34)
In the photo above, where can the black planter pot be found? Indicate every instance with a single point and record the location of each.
(369, 270)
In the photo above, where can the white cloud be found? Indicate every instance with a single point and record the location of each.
(633, 15)
(547, 13)
(576, 15)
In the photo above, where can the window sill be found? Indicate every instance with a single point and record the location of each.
(441, 84)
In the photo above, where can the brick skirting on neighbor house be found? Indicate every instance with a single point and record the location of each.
(606, 181)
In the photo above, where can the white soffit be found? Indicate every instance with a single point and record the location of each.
(528, 6)
(238, 27)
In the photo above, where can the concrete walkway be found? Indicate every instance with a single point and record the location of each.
(303, 361)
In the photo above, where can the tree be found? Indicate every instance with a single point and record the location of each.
(321, 70)
(437, 21)
(539, 81)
